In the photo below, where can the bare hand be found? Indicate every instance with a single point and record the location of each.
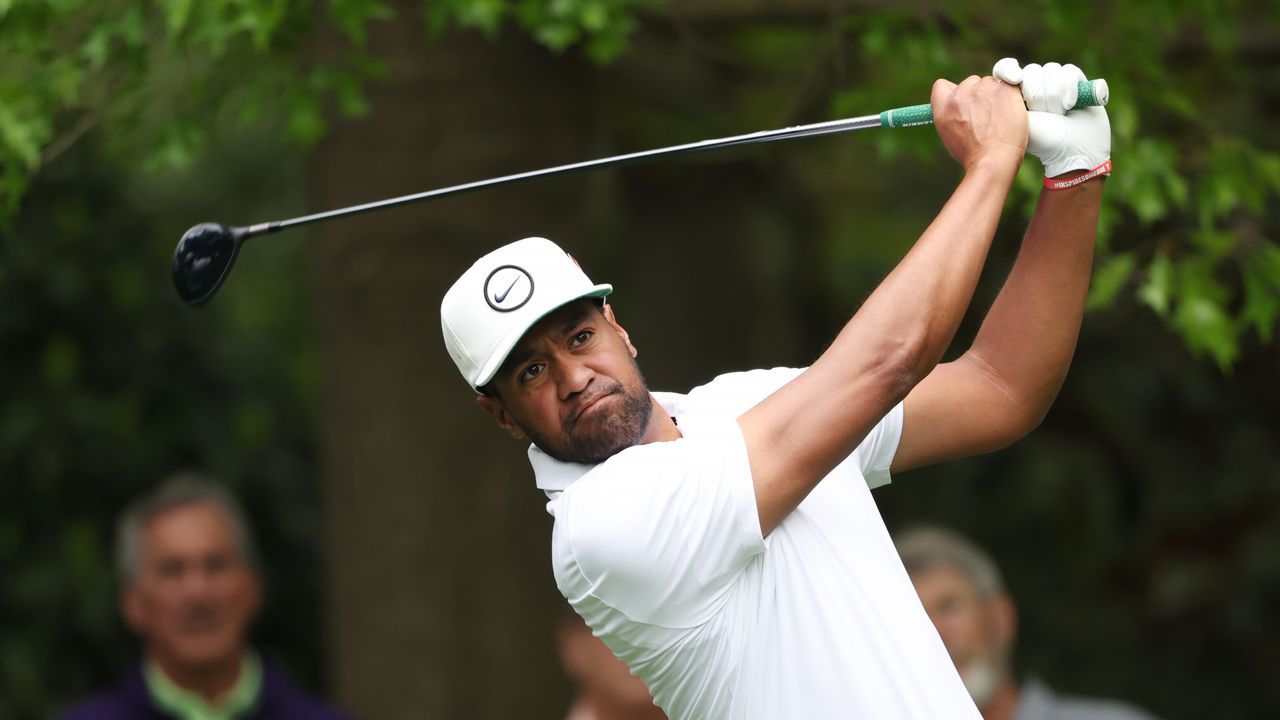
(980, 119)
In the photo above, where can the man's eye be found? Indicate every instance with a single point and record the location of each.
(581, 337)
(531, 372)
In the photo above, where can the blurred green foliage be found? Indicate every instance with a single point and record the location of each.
(1190, 184)
(1197, 165)
(111, 384)
(154, 76)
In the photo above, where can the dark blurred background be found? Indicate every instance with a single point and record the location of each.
(405, 545)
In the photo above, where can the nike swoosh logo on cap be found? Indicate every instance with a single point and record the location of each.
(505, 293)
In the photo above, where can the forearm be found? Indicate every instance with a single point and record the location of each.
(899, 333)
(798, 434)
(1028, 338)
(916, 310)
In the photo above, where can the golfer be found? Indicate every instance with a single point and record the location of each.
(724, 543)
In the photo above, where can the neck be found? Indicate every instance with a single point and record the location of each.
(210, 681)
(661, 427)
(1003, 702)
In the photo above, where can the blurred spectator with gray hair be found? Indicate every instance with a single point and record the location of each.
(190, 589)
(963, 593)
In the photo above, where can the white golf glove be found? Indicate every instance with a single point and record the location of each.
(1063, 139)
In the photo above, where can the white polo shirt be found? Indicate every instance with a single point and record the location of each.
(659, 549)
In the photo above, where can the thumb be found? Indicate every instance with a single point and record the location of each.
(942, 89)
(1047, 131)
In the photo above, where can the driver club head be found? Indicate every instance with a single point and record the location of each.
(203, 259)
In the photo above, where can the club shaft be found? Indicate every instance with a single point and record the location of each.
(764, 136)
(1092, 92)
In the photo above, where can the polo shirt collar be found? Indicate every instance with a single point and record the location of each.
(554, 476)
(183, 703)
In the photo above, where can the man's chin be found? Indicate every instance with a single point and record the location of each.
(594, 452)
(980, 679)
(591, 448)
(197, 654)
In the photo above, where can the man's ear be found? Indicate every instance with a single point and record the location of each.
(607, 309)
(131, 608)
(495, 408)
(1006, 619)
(255, 593)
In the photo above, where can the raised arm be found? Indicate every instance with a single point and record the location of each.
(800, 433)
(1002, 387)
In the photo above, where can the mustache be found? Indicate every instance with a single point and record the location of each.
(612, 388)
(198, 615)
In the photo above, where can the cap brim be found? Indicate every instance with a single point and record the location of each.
(503, 348)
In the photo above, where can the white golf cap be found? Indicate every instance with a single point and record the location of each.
(501, 296)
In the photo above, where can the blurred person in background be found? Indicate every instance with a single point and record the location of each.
(963, 593)
(606, 689)
(190, 590)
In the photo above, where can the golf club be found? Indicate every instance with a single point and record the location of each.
(204, 256)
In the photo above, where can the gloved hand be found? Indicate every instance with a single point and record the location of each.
(1064, 140)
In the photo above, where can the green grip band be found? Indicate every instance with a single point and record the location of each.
(907, 116)
(1091, 93)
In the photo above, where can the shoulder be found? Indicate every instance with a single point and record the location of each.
(737, 392)
(126, 699)
(1039, 702)
(638, 482)
(653, 531)
(109, 706)
(282, 699)
(99, 707)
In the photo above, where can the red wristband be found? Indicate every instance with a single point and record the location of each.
(1103, 169)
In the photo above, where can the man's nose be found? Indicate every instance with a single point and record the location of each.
(572, 376)
(196, 583)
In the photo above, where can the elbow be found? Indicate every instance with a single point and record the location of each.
(1023, 422)
(901, 366)
(1027, 412)
(1021, 406)
(888, 367)
(910, 358)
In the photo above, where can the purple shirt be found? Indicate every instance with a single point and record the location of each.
(129, 700)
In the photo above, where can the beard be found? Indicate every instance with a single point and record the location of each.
(980, 678)
(598, 438)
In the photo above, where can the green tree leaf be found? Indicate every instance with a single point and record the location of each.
(1110, 279)
(1157, 292)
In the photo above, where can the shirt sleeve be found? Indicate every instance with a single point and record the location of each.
(870, 461)
(659, 532)
(736, 393)
(875, 454)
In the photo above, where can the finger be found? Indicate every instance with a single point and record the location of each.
(1033, 86)
(1061, 87)
(1008, 70)
(971, 80)
(1056, 90)
(1072, 76)
(1074, 73)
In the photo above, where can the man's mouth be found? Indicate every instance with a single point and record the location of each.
(200, 623)
(588, 404)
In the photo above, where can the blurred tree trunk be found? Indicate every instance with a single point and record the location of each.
(441, 591)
